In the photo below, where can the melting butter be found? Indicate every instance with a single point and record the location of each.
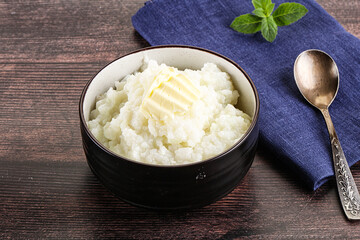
(170, 93)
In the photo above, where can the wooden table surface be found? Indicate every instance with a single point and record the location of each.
(48, 51)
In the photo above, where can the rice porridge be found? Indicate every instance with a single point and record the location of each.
(165, 116)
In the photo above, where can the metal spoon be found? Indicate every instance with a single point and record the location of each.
(317, 78)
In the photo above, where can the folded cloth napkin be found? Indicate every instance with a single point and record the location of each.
(289, 126)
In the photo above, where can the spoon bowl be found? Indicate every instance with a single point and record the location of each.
(317, 78)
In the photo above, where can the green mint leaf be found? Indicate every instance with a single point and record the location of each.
(247, 23)
(288, 13)
(260, 3)
(257, 4)
(269, 28)
(269, 9)
(262, 20)
(259, 12)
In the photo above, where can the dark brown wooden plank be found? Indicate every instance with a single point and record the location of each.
(67, 31)
(48, 51)
(64, 199)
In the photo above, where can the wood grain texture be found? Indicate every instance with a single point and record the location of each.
(48, 51)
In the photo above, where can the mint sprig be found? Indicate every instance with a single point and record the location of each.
(265, 20)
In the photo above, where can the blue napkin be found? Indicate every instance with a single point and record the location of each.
(292, 129)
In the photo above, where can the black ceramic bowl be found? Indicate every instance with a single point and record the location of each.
(171, 187)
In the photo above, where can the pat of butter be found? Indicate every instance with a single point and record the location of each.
(170, 93)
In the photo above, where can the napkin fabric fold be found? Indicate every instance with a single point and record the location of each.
(292, 129)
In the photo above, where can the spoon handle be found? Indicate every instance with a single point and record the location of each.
(348, 193)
